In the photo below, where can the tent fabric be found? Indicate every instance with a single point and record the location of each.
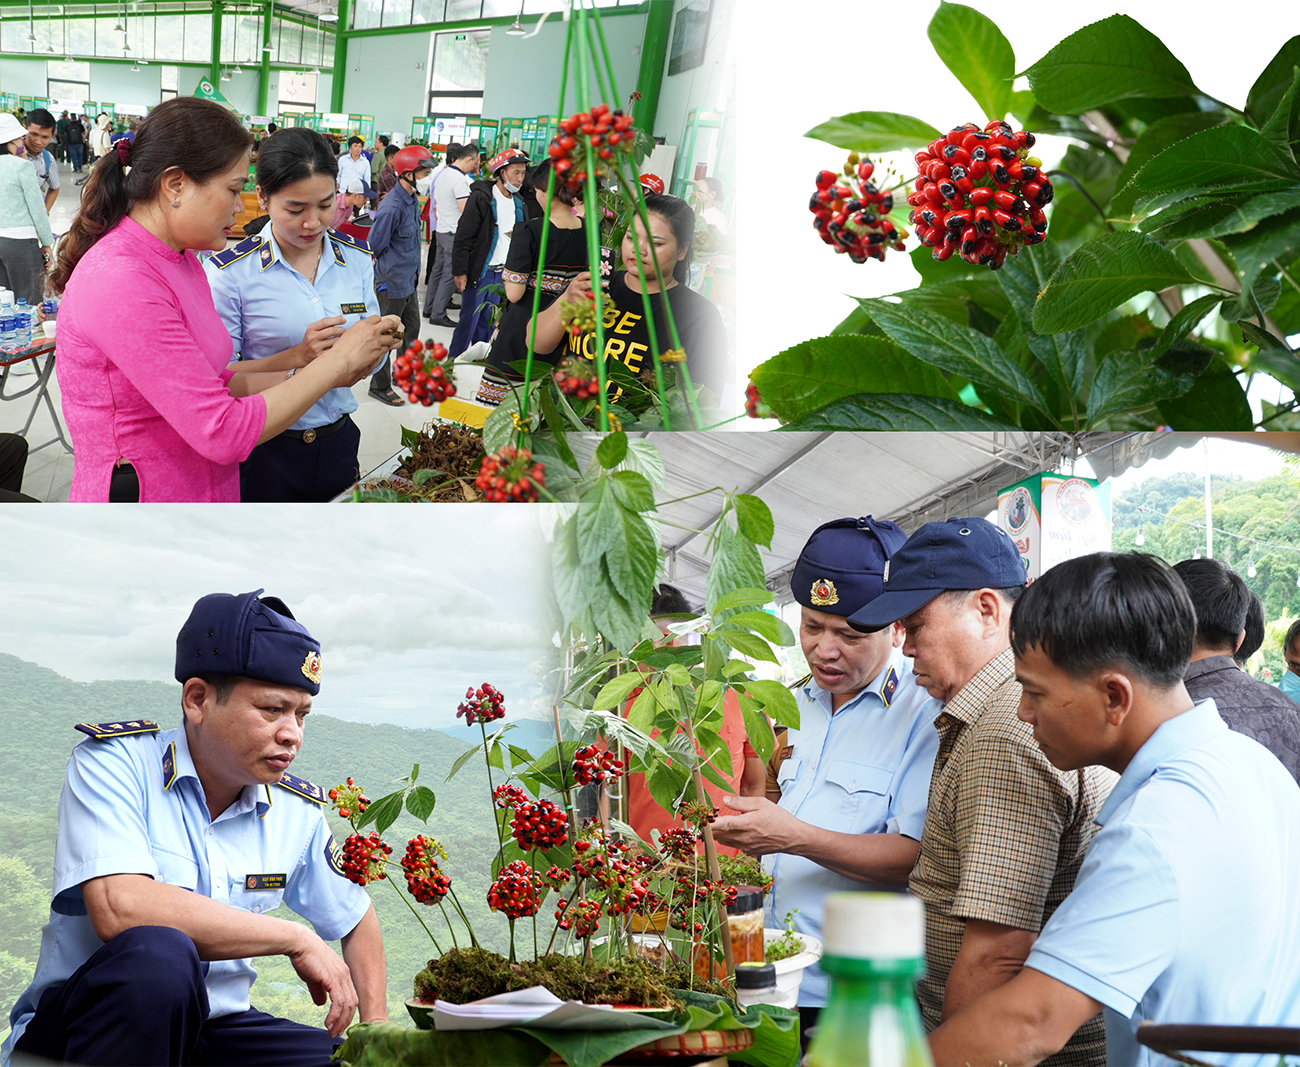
(810, 478)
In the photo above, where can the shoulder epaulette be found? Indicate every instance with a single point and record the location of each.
(889, 686)
(249, 244)
(802, 681)
(302, 787)
(351, 242)
(102, 731)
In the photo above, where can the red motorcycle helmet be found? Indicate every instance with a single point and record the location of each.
(410, 159)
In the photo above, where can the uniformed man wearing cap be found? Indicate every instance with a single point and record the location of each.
(1005, 832)
(847, 800)
(173, 845)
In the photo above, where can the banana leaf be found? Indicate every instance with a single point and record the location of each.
(776, 1040)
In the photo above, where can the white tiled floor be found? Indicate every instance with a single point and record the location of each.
(49, 471)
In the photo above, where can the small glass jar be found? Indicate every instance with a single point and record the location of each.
(755, 983)
(745, 921)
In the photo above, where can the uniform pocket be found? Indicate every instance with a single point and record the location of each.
(787, 772)
(866, 790)
(246, 897)
(175, 869)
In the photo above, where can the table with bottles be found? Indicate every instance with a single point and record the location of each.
(21, 340)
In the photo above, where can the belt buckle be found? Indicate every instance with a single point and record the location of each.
(308, 436)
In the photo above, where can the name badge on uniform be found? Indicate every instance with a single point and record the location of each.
(265, 881)
(787, 752)
(352, 309)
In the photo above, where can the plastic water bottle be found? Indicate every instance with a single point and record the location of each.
(874, 953)
(6, 321)
(22, 325)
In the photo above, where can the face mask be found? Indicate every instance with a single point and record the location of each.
(1290, 685)
(512, 189)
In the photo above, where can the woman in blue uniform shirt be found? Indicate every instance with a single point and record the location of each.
(285, 296)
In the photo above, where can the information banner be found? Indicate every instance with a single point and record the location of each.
(1055, 517)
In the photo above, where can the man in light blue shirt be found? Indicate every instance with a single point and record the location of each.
(172, 848)
(847, 801)
(1185, 909)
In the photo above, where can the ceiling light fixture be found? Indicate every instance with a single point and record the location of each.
(517, 29)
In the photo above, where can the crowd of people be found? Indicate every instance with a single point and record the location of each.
(1098, 808)
(331, 265)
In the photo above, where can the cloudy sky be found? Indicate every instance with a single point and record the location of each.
(410, 604)
(803, 74)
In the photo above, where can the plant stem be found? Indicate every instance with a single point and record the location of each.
(1263, 322)
(1086, 195)
(1285, 274)
(463, 918)
(416, 914)
(711, 855)
(501, 853)
(450, 928)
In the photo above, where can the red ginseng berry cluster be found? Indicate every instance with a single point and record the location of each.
(980, 193)
(511, 474)
(591, 765)
(363, 858)
(696, 813)
(755, 407)
(424, 879)
(690, 897)
(348, 800)
(679, 842)
(850, 213)
(579, 316)
(577, 378)
(420, 374)
(558, 876)
(508, 796)
(580, 916)
(516, 891)
(485, 703)
(607, 131)
(539, 825)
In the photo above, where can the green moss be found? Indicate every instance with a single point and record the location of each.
(462, 975)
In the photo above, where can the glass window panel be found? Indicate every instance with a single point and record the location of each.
(198, 38)
(171, 78)
(458, 10)
(66, 90)
(108, 42)
(75, 71)
(13, 37)
(537, 7)
(328, 59)
(290, 47)
(428, 11)
(169, 40)
(366, 14)
(453, 106)
(81, 37)
(500, 8)
(397, 12)
(460, 60)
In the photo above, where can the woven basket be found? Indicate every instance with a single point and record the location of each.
(695, 1044)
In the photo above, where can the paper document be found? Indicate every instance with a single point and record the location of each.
(539, 1007)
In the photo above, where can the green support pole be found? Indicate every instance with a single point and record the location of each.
(264, 81)
(214, 67)
(654, 55)
(340, 55)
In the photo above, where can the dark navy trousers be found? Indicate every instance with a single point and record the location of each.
(140, 1000)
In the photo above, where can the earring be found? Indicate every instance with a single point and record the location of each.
(176, 203)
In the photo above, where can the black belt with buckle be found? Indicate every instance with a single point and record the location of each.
(308, 436)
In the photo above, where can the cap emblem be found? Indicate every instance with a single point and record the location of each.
(885, 577)
(824, 593)
(311, 667)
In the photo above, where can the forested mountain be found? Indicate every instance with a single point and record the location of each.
(38, 710)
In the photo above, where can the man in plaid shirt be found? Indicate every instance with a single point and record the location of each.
(1005, 831)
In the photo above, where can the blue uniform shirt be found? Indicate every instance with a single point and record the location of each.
(864, 770)
(266, 305)
(134, 805)
(1186, 908)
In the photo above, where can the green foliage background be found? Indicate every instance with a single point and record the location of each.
(38, 709)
